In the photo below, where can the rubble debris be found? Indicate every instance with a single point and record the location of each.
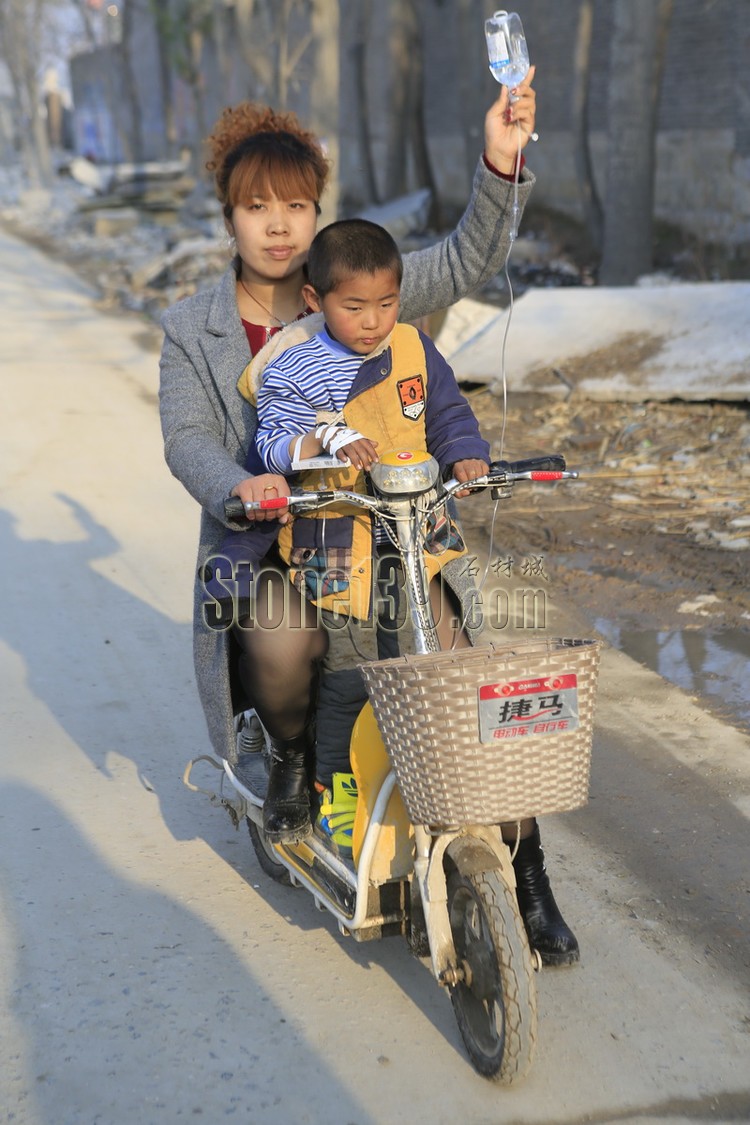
(157, 191)
(112, 222)
(681, 465)
(87, 174)
(702, 605)
(189, 260)
(128, 179)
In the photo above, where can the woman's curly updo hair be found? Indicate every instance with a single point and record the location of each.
(257, 151)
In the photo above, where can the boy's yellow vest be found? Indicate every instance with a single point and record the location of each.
(337, 552)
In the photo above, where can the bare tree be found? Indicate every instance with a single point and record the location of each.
(592, 205)
(268, 48)
(407, 140)
(470, 77)
(637, 59)
(324, 93)
(289, 53)
(162, 18)
(21, 47)
(258, 62)
(132, 12)
(399, 86)
(276, 37)
(182, 29)
(361, 38)
(222, 43)
(422, 162)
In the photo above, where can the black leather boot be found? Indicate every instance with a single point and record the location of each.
(545, 925)
(286, 809)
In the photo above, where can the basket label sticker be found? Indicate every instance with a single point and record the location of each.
(528, 708)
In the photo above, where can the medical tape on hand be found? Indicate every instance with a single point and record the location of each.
(297, 449)
(333, 438)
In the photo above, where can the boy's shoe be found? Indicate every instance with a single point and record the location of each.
(335, 819)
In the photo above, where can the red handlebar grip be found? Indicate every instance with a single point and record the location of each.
(277, 502)
(546, 475)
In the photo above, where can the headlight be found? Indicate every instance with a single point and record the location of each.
(405, 473)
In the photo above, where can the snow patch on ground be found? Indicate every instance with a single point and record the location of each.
(688, 340)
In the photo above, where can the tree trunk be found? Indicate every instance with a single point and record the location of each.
(220, 34)
(163, 25)
(639, 34)
(325, 94)
(292, 44)
(130, 15)
(283, 69)
(364, 135)
(471, 80)
(197, 88)
(414, 9)
(396, 176)
(592, 205)
(20, 47)
(258, 63)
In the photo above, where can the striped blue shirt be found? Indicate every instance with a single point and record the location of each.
(316, 375)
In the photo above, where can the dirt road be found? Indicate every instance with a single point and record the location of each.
(150, 973)
(651, 544)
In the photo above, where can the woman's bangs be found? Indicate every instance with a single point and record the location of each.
(257, 176)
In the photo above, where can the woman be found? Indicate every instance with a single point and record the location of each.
(270, 174)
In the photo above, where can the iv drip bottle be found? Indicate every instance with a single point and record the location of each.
(506, 48)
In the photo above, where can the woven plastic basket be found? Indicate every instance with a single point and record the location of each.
(486, 735)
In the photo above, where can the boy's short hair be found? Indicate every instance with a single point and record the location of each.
(347, 247)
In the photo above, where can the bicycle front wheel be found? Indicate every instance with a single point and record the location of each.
(495, 1003)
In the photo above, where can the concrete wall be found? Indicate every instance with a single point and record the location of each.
(703, 148)
(703, 143)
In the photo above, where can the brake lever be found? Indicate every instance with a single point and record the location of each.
(502, 491)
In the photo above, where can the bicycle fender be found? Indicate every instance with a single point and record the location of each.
(474, 853)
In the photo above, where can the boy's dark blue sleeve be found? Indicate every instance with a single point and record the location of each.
(451, 428)
(253, 463)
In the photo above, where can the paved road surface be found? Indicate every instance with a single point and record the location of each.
(150, 973)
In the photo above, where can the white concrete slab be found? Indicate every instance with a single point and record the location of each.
(682, 340)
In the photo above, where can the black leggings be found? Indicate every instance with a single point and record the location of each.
(282, 644)
(280, 647)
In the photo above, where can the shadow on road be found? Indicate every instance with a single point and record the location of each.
(92, 651)
(125, 1006)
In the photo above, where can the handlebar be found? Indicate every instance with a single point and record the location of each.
(506, 472)
(500, 473)
(553, 463)
(234, 509)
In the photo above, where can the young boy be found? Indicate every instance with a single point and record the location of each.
(354, 274)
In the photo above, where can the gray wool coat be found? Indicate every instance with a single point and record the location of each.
(208, 426)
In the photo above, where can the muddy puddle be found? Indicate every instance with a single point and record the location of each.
(714, 665)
